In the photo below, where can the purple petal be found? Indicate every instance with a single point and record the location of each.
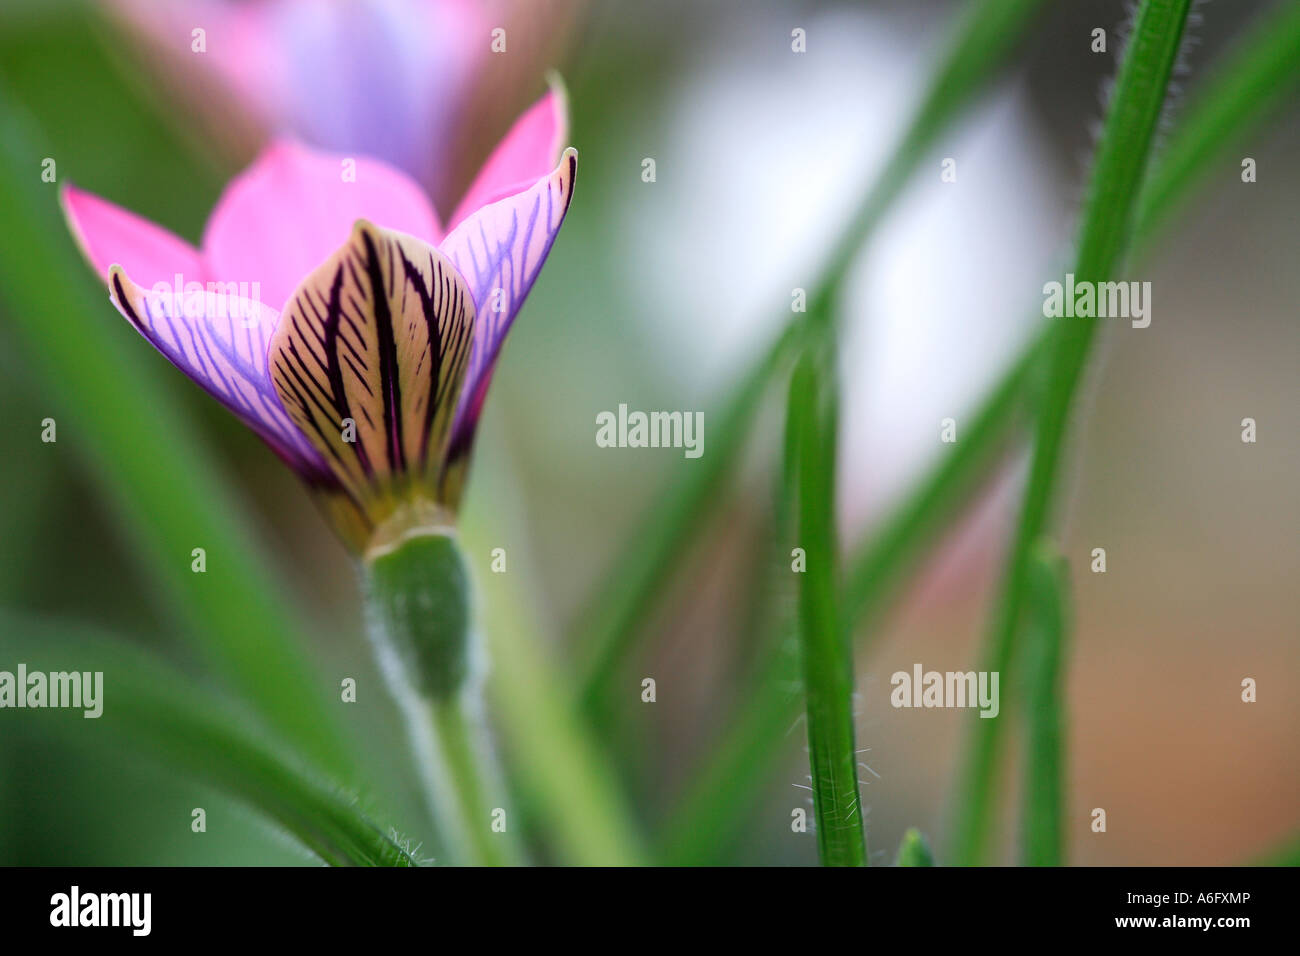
(220, 341)
(500, 250)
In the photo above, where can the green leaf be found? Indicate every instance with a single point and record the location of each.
(104, 384)
(914, 850)
(609, 628)
(825, 654)
(708, 814)
(607, 632)
(1047, 620)
(171, 720)
(576, 796)
(571, 789)
(1288, 854)
(1107, 224)
(982, 39)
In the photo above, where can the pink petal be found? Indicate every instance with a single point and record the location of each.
(290, 210)
(109, 234)
(526, 153)
(499, 250)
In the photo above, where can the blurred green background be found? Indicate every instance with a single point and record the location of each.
(654, 296)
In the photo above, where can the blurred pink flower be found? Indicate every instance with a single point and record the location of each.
(326, 296)
(400, 80)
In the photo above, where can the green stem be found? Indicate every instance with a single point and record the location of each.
(705, 817)
(1259, 73)
(418, 616)
(1107, 223)
(825, 654)
(705, 820)
(1043, 816)
(610, 626)
(565, 780)
(454, 760)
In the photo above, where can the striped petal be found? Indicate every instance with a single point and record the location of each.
(219, 339)
(369, 359)
(499, 249)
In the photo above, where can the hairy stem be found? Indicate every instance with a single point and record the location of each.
(1107, 223)
(1042, 840)
(418, 615)
(824, 651)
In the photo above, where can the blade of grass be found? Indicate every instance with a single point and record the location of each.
(825, 653)
(610, 626)
(1048, 619)
(572, 790)
(986, 31)
(705, 820)
(913, 850)
(169, 719)
(607, 630)
(1107, 224)
(575, 795)
(111, 404)
(1287, 854)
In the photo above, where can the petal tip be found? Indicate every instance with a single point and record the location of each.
(70, 200)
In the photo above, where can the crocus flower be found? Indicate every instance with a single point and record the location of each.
(333, 314)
